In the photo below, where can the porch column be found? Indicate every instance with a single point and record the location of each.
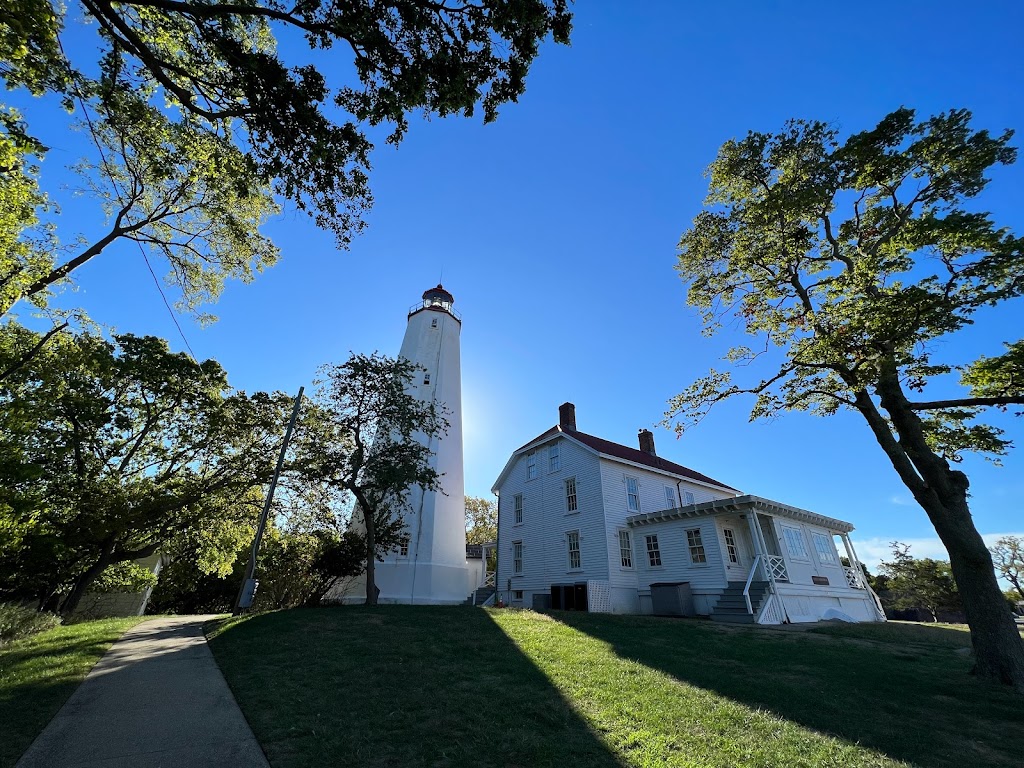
(758, 546)
(858, 570)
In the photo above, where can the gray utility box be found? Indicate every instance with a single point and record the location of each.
(672, 598)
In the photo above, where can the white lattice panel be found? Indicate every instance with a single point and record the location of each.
(599, 597)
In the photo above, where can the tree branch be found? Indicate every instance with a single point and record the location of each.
(967, 402)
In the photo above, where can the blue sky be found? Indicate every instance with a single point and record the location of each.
(555, 229)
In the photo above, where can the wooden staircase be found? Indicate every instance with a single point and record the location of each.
(731, 607)
(482, 594)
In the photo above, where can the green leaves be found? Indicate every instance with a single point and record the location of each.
(850, 259)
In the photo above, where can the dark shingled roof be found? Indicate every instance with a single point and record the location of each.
(629, 454)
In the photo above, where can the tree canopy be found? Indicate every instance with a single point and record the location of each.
(368, 436)
(481, 520)
(204, 115)
(113, 450)
(1008, 556)
(924, 584)
(849, 260)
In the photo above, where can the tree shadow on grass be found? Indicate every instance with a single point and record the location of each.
(398, 686)
(913, 703)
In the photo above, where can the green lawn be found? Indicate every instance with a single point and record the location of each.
(420, 686)
(38, 674)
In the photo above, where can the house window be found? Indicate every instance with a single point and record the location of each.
(574, 549)
(554, 460)
(517, 557)
(517, 506)
(571, 504)
(795, 543)
(653, 554)
(625, 550)
(696, 544)
(670, 497)
(517, 594)
(531, 466)
(823, 547)
(403, 547)
(730, 545)
(688, 498)
(632, 494)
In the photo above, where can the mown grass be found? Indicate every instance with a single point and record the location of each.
(420, 686)
(39, 673)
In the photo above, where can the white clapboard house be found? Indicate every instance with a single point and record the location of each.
(588, 524)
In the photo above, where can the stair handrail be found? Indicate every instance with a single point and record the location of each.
(746, 587)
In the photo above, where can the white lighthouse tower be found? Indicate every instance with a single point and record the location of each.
(431, 568)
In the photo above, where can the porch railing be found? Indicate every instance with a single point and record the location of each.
(746, 587)
(772, 612)
(852, 578)
(777, 567)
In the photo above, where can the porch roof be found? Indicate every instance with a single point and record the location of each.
(741, 504)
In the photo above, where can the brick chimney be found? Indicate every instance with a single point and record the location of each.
(647, 441)
(567, 416)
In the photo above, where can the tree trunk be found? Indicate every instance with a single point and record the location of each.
(942, 493)
(998, 649)
(85, 581)
(371, 557)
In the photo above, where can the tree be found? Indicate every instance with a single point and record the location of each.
(926, 584)
(200, 122)
(1008, 556)
(848, 261)
(112, 450)
(367, 436)
(481, 520)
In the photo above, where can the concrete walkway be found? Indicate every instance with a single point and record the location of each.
(155, 700)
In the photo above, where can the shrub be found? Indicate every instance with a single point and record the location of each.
(17, 621)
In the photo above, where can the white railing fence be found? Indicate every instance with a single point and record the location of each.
(489, 579)
(777, 566)
(852, 577)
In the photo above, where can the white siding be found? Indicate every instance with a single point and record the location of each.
(707, 580)
(546, 522)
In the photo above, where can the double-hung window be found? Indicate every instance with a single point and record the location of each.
(554, 459)
(517, 507)
(696, 545)
(823, 548)
(730, 545)
(571, 503)
(632, 494)
(403, 547)
(653, 553)
(531, 466)
(517, 557)
(573, 537)
(794, 539)
(625, 550)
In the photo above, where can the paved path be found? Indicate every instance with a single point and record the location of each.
(155, 700)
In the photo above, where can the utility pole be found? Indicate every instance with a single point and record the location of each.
(248, 590)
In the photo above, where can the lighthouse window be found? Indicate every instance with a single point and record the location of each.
(433, 323)
(403, 547)
(426, 378)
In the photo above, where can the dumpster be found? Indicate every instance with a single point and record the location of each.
(672, 598)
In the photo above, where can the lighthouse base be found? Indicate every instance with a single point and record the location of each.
(403, 583)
